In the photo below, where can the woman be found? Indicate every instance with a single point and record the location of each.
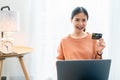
(79, 44)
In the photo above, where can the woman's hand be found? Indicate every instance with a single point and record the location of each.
(100, 46)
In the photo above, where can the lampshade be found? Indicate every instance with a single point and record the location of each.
(9, 21)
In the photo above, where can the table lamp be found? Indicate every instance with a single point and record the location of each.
(9, 22)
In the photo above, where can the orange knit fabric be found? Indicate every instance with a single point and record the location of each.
(76, 49)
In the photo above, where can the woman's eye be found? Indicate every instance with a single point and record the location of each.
(84, 20)
(77, 20)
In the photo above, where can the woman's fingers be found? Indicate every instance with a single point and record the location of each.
(101, 42)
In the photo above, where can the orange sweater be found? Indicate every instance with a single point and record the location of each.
(76, 49)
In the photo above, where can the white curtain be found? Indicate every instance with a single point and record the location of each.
(50, 21)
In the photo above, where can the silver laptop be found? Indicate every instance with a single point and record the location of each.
(83, 69)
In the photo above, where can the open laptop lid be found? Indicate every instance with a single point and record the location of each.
(83, 69)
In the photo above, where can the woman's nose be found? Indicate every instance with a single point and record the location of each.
(80, 22)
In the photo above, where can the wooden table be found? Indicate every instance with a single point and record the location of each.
(19, 52)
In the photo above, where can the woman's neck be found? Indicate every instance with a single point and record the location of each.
(79, 35)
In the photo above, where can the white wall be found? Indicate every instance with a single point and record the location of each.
(114, 42)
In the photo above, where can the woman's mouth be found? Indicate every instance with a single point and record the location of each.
(80, 28)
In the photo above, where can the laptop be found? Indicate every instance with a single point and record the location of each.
(83, 69)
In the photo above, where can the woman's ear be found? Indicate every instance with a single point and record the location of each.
(71, 20)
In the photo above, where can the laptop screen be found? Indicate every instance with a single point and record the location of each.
(83, 69)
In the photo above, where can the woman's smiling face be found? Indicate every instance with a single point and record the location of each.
(79, 22)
